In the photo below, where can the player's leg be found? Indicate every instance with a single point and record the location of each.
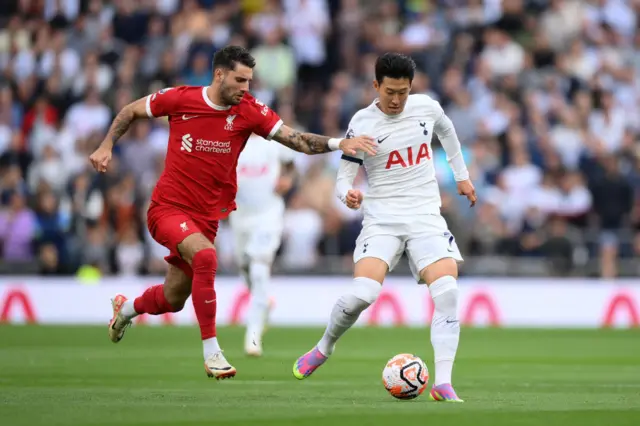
(436, 258)
(374, 257)
(156, 300)
(259, 253)
(198, 251)
(240, 240)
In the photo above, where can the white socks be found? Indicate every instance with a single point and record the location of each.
(346, 311)
(210, 347)
(127, 310)
(259, 277)
(445, 326)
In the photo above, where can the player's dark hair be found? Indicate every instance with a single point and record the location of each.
(229, 56)
(394, 65)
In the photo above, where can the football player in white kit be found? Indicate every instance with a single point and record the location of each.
(265, 173)
(401, 214)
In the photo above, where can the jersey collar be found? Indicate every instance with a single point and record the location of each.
(211, 104)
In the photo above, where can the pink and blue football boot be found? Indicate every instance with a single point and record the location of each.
(444, 393)
(308, 363)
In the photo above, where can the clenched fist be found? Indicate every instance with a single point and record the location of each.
(467, 189)
(100, 158)
(354, 199)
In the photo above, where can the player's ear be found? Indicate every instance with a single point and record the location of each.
(218, 74)
(376, 85)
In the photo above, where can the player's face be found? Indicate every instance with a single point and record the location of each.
(393, 94)
(234, 84)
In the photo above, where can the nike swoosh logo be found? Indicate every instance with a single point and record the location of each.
(186, 117)
(451, 322)
(210, 301)
(380, 140)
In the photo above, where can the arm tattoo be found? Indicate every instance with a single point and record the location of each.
(308, 143)
(121, 124)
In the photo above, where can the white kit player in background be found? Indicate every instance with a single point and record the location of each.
(401, 214)
(265, 172)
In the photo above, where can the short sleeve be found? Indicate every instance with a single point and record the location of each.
(266, 121)
(163, 102)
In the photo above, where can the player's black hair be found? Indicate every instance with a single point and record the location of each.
(229, 56)
(394, 65)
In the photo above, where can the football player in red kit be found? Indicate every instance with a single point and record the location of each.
(209, 127)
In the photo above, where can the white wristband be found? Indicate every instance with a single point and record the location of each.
(334, 144)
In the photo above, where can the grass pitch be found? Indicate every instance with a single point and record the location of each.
(74, 376)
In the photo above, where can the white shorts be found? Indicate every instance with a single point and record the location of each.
(257, 238)
(423, 247)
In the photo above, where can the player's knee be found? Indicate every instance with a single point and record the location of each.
(259, 271)
(444, 292)
(442, 268)
(366, 289)
(176, 302)
(205, 259)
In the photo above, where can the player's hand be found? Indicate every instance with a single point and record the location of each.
(100, 158)
(359, 143)
(467, 189)
(354, 199)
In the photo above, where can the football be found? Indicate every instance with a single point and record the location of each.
(405, 376)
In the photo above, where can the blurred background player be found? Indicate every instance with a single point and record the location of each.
(209, 127)
(265, 173)
(401, 214)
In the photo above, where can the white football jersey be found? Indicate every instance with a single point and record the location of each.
(401, 176)
(259, 168)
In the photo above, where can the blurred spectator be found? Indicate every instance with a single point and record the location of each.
(613, 200)
(52, 223)
(275, 62)
(49, 261)
(88, 116)
(48, 170)
(129, 253)
(17, 229)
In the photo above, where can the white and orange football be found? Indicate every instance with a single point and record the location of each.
(405, 376)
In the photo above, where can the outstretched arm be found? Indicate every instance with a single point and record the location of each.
(311, 144)
(308, 143)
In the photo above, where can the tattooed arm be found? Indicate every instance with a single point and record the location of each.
(308, 143)
(311, 144)
(122, 122)
(101, 158)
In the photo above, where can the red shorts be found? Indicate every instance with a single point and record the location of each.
(169, 226)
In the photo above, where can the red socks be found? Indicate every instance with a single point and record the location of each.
(203, 295)
(153, 302)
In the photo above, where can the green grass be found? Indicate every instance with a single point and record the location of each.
(75, 376)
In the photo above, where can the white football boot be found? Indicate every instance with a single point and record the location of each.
(119, 323)
(217, 366)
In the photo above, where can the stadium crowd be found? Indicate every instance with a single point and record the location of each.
(544, 94)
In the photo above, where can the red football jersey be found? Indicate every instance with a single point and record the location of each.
(205, 141)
